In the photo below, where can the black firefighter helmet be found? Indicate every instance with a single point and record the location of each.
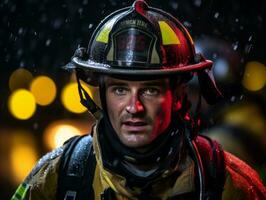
(142, 41)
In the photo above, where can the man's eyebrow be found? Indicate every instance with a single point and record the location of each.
(155, 83)
(115, 83)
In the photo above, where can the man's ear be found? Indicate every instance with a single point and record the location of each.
(178, 95)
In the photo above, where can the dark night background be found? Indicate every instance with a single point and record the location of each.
(41, 36)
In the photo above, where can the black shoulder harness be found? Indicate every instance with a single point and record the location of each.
(76, 170)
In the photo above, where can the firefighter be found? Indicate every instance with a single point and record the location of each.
(144, 144)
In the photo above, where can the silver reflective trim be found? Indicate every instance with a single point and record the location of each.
(70, 195)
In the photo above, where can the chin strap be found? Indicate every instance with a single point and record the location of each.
(208, 87)
(87, 101)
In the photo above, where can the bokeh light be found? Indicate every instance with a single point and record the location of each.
(70, 98)
(254, 78)
(221, 68)
(21, 104)
(21, 155)
(20, 78)
(248, 116)
(23, 158)
(56, 134)
(44, 90)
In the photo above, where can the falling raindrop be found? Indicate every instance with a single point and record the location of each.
(197, 3)
(248, 48)
(85, 2)
(13, 8)
(22, 64)
(48, 42)
(233, 99)
(19, 52)
(80, 11)
(216, 15)
(173, 5)
(57, 23)
(235, 45)
(20, 31)
(187, 24)
(7, 58)
(35, 126)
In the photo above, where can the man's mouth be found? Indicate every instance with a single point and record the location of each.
(134, 126)
(135, 123)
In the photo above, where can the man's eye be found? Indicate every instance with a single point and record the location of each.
(119, 90)
(151, 92)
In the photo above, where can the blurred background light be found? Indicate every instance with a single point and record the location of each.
(19, 153)
(63, 133)
(59, 131)
(70, 97)
(254, 78)
(248, 116)
(20, 78)
(44, 90)
(21, 104)
(221, 68)
(23, 158)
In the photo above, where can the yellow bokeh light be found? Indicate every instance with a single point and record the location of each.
(22, 104)
(240, 116)
(20, 78)
(254, 77)
(57, 134)
(23, 158)
(65, 127)
(70, 98)
(63, 133)
(44, 90)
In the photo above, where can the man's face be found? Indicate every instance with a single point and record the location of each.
(139, 111)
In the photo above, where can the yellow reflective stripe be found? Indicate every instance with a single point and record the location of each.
(20, 192)
(109, 181)
(105, 176)
(104, 34)
(168, 34)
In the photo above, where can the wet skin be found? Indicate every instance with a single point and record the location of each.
(139, 111)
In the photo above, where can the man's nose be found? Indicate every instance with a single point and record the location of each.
(135, 105)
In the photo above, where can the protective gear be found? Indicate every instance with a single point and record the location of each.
(142, 41)
(43, 180)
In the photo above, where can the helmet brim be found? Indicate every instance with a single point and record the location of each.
(100, 68)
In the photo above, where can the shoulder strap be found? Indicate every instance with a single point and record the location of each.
(76, 170)
(212, 156)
